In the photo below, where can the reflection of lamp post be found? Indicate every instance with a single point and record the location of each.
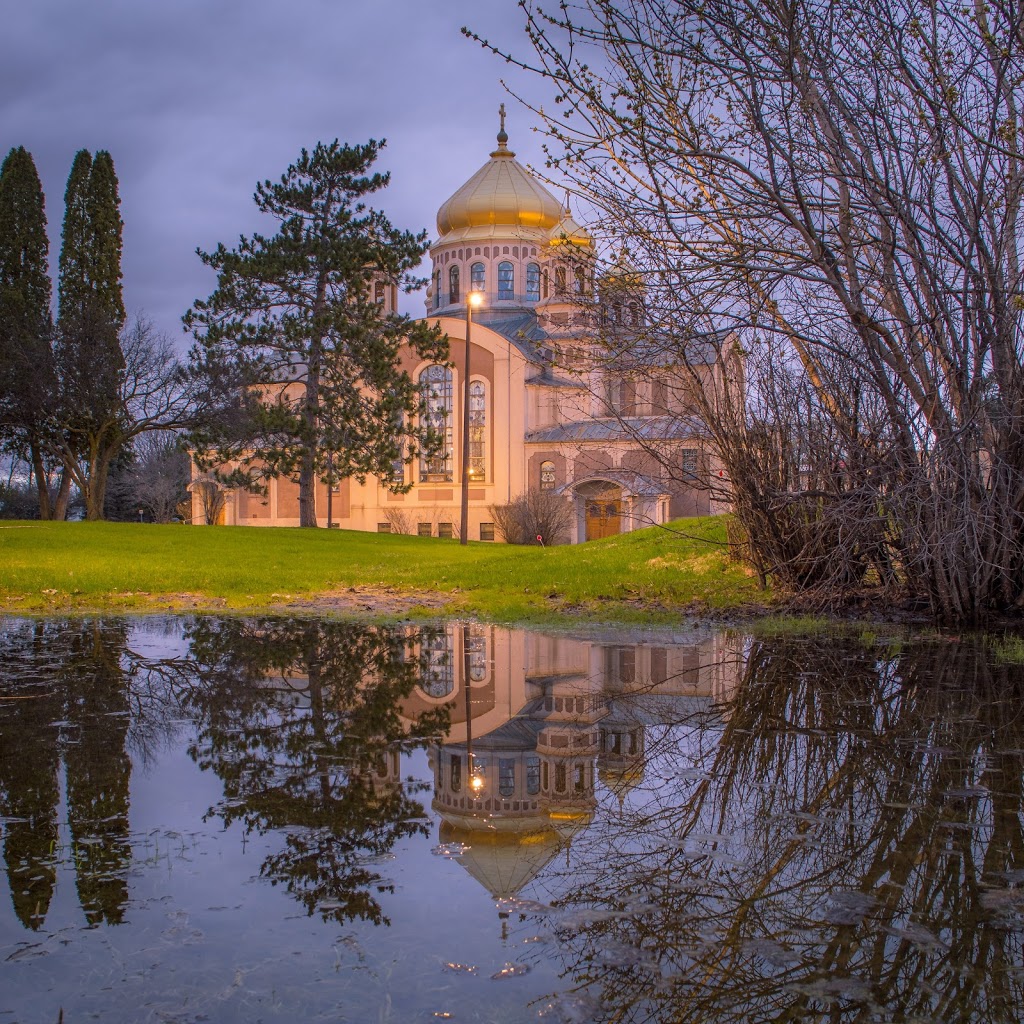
(475, 782)
(472, 299)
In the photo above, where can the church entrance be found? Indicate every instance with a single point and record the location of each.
(604, 515)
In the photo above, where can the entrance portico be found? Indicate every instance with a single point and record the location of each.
(615, 502)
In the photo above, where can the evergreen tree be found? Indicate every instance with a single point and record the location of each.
(294, 326)
(26, 364)
(90, 319)
(72, 276)
(104, 211)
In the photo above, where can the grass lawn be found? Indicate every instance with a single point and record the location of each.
(649, 575)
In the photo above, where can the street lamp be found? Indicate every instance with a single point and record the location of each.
(472, 299)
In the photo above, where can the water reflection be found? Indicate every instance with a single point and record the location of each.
(849, 851)
(65, 719)
(301, 722)
(536, 721)
(702, 827)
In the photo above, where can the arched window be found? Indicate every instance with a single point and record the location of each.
(477, 278)
(477, 431)
(436, 388)
(437, 289)
(581, 281)
(532, 282)
(634, 314)
(547, 475)
(533, 775)
(453, 283)
(437, 677)
(544, 283)
(476, 650)
(506, 776)
(506, 280)
(378, 292)
(559, 280)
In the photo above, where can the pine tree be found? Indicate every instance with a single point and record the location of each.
(294, 324)
(26, 363)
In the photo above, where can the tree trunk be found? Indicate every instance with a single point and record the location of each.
(99, 465)
(42, 482)
(311, 416)
(60, 509)
(307, 468)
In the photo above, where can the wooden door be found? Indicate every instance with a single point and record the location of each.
(604, 518)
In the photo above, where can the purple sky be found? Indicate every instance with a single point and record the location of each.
(197, 100)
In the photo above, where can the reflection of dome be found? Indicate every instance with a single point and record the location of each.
(503, 194)
(621, 779)
(503, 862)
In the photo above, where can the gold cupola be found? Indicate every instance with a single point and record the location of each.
(569, 230)
(502, 195)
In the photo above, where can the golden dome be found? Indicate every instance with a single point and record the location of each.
(502, 194)
(569, 230)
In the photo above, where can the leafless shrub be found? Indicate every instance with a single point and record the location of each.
(212, 498)
(399, 520)
(534, 517)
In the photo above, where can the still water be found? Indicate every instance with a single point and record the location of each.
(299, 820)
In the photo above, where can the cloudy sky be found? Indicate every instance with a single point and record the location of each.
(197, 100)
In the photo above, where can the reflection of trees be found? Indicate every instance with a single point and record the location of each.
(29, 791)
(98, 767)
(63, 691)
(847, 850)
(300, 721)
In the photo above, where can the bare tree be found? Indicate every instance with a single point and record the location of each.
(155, 482)
(154, 393)
(840, 185)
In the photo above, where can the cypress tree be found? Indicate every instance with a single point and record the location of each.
(104, 212)
(26, 364)
(71, 281)
(91, 316)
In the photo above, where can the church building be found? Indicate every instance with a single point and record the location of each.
(548, 411)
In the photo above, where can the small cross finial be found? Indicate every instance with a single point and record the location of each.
(502, 149)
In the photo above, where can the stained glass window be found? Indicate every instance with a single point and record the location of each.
(477, 431)
(436, 387)
(438, 679)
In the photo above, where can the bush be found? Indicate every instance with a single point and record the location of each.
(18, 501)
(534, 517)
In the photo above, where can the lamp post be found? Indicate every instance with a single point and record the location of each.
(472, 299)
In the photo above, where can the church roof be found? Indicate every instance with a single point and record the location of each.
(648, 428)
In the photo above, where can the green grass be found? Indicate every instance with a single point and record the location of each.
(650, 575)
(1008, 650)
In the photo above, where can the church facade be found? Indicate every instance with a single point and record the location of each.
(545, 415)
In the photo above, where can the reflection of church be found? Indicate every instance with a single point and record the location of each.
(536, 722)
(545, 413)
